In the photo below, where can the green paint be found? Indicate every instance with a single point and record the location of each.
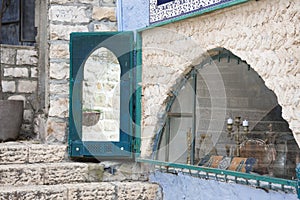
(138, 99)
(216, 171)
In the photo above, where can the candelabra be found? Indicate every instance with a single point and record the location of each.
(238, 137)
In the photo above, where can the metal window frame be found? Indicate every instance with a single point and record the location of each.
(130, 139)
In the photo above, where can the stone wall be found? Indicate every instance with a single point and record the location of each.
(263, 33)
(65, 17)
(19, 81)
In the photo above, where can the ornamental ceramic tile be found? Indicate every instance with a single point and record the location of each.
(161, 10)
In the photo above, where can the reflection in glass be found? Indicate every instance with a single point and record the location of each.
(266, 147)
(101, 97)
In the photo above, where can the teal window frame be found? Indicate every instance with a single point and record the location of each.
(123, 46)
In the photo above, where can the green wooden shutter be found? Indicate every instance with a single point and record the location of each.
(81, 46)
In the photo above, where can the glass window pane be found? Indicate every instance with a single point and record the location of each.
(229, 88)
(101, 97)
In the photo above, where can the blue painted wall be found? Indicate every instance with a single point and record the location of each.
(132, 14)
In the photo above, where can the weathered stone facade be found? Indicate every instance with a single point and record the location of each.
(263, 33)
(19, 81)
(66, 17)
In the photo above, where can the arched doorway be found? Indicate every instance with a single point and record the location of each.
(223, 116)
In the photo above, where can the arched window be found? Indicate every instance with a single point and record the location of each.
(223, 116)
(102, 96)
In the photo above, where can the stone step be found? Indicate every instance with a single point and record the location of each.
(49, 173)
(22, 152)
(103, 190)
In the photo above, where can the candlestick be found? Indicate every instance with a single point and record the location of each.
(236, 134)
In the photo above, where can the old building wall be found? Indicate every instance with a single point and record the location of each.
(65, 17)
(19, 66)
(263, 33)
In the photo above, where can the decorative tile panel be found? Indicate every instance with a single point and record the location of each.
(161, 10)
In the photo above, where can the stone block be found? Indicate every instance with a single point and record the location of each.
(28, 115)
(8, 55)
(70, 14)
(16, 72)
(26, 57)
(42, 153)
(59, 89)
(34, 72)
(26, 131)
(105, 27)
(124, 171)
(92, 2)
(107, 191)
(8, 86)
(13, 153)
(59, 108)
(100, 13)
(92, 191)
(21, 174)
(95, 172)
(59, 70)
(56, 131)
(147, 132)
(111, 3)
(17, 153)
(40, 192)
(57, 173)
(49, 173)
(137, 190)
(62, 32)
(59, 51)
(27, 86)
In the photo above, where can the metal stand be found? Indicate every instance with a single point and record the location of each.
(238, 137)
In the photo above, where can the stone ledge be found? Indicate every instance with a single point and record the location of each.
(17, 153)
(49, 173)
(115, 190)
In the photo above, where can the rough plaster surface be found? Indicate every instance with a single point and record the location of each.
(263, 33)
